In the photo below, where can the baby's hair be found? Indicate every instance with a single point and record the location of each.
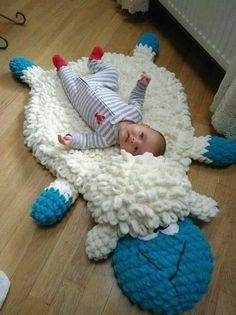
(162, 150)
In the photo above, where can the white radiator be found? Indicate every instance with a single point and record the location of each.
(211, 22)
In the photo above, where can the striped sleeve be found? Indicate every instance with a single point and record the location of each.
(137, 95)
(83, 141)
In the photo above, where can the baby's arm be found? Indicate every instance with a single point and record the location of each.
(137, 95)
(83, 141)
(66, 140)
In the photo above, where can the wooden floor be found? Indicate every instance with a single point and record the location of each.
(49, 271)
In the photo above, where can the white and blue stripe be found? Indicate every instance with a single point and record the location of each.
(97, 94)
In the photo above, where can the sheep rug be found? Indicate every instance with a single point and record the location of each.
(139, 203)
(125, 194)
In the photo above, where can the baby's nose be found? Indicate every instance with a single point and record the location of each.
(132, 139)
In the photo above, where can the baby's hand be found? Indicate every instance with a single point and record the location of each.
(66, 140)
(145, 79)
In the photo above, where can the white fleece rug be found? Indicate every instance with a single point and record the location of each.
(49, 113)
(125, 194)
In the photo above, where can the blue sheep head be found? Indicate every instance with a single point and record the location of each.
(164, 274)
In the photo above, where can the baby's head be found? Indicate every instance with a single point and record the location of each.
(140, 138)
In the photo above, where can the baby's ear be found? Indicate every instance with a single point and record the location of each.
(143, 124)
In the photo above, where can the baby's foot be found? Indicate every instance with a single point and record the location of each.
(58, 61)
(96, 53)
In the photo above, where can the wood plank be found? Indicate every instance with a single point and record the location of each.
(99, 287)
(30, 266)
(226, 304)
(52, 274)
(48, 268)
(117, 304)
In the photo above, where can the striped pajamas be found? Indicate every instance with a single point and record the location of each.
(96, 99)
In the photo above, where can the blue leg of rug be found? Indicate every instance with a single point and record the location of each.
(150, 40)
(214, 150)
(53, 203)
(221, 151)
(18, 64)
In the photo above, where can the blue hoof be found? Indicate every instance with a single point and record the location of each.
(151, 40)
(221, 151)
(50, 207)
(18, 64)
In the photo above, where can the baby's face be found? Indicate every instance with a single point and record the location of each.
(139, 138)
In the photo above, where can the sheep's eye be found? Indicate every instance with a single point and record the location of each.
(148, 237)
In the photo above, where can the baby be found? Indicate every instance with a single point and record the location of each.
(113, 120)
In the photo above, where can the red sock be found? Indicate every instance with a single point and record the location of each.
(96, 53)
(58, 61)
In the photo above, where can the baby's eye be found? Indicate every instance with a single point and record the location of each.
(141, 135)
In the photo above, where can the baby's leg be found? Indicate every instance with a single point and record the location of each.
(103, 73)
(73, 86)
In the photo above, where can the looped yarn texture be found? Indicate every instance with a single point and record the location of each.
(132, 194)
(159, 197)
